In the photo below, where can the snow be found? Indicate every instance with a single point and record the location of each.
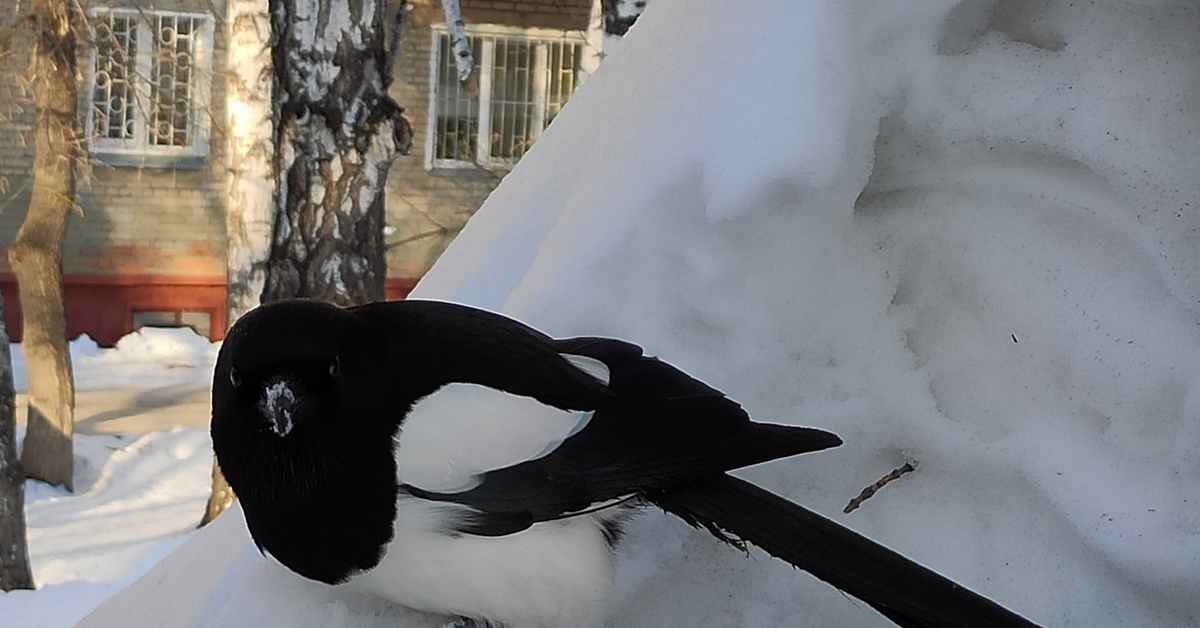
(148, 357)
(961, 235)
(139, 495)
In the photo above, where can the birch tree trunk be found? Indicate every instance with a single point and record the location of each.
(36, 253)
(14, 552)
(251, 152)
(336, 133)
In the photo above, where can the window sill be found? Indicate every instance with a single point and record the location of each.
(135, 160)
(475, 172)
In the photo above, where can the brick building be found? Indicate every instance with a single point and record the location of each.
(148, 244)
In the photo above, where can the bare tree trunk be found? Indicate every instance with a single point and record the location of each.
(14, 553)
(248, 216)
(36, 253)
(337, 132)
(220, 498)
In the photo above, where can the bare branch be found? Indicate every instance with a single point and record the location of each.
(440, 231)
(395, 35)
(458, 40)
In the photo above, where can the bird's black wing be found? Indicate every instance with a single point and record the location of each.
(661, 428)
(428, 344)
(668, 438)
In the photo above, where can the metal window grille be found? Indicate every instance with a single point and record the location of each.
(112, 88)
(457, 113)
(171, 80)
(523, 84)
(561, 76)
(147, 79)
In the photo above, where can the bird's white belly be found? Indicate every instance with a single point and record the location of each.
(555, 574)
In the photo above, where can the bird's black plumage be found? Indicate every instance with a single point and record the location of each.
(661, 427)
(310, 407)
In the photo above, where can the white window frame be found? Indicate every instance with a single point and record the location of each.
(483, 73)
(138, 150)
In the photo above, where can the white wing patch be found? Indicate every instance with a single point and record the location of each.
(591, 366)
(462, 430)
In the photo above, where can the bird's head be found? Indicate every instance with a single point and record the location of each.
(280, 368)
(290, 383)
(302, 429)
(296, 391)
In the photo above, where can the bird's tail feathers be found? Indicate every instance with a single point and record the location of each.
(912, 596)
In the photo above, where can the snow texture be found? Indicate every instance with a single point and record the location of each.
(957, 234)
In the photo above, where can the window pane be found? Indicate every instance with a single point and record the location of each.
(171, 80)
(512, 99)
(457, 114)
(154, 319)
(562, 68)
(112, 93)
(200, 322)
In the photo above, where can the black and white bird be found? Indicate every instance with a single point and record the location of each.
(459, 462)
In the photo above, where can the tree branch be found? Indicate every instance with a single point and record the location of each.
(395, 35)
(458, 41)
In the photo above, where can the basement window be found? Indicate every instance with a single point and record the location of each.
(199, 322)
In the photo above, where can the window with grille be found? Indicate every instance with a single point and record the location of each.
(149, 85)
(524, 79)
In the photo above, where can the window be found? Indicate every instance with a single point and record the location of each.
(199, 322)
(148, 87)
(525, 77)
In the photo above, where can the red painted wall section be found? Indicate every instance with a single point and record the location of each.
(102, 306)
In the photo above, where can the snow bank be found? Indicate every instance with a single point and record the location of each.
(958, 234)
(150, 356)
(138, 497)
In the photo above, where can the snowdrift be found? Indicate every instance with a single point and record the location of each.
(962, 235)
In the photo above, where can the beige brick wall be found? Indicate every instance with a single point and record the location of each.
(146, 221)
(564, 14)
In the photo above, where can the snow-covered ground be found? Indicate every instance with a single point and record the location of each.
(959, 234)
(138, 495)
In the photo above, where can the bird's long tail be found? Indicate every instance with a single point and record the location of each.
(910, 595)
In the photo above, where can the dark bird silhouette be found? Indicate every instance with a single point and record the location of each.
(459, 462)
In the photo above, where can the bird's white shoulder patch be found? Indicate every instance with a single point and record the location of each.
(462, 430)
(591, 366)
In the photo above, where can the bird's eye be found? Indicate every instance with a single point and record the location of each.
(335, 368)
(235, 378)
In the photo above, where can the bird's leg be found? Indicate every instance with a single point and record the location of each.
(467, 622)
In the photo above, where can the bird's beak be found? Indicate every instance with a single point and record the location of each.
(278, 405)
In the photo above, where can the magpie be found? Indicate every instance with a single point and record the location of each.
(459, 462)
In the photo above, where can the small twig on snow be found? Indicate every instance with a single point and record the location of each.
(872, 489)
